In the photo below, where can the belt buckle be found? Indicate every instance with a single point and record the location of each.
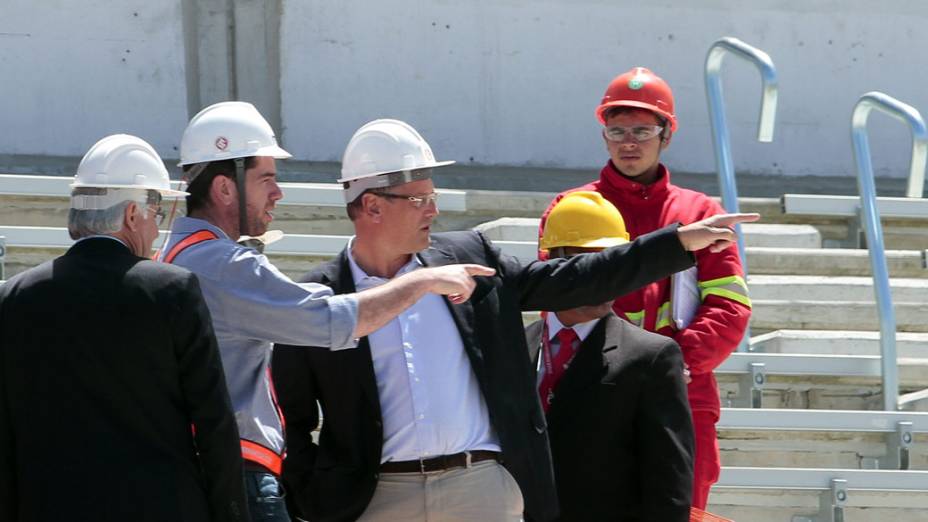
(467, 460)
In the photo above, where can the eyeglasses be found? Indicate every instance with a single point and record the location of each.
(159, 215)
(638, 133)
(417, 201)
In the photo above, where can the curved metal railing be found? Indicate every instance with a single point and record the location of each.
(720, 136)
(870, 219)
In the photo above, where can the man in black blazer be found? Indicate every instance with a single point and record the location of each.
(378, 457)
(113, 403)
(618, 417)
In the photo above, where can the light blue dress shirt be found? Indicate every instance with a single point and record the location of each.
(430, 401)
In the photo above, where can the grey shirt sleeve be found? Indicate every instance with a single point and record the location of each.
(253, 298)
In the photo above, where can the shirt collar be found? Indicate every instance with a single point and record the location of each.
(629, 190)
(359, 275)
(581, 329)
(189, 225)
(104, 236)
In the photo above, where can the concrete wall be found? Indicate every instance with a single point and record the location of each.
(74, 71)
(511, 82)
(515, 82)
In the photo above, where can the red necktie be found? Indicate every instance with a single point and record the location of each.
(555, 366)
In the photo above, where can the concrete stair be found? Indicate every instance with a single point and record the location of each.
(839, 288)
(846, 342)
(781, 505)
(755, 234)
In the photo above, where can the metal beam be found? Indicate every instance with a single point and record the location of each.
(821, 420)
(804, 364)
(849, 206)
(310, 194)
(820, 479)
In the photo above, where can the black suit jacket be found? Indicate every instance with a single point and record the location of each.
(106, 360)
(335, 480)
(620, 427)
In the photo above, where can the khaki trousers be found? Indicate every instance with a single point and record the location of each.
(485, 492)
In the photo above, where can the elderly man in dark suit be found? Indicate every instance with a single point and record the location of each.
(113, 404)
(435, 416)
(614, 394)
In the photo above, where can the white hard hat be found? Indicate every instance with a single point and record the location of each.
(120, 163)
(228, 130)
(385, 153)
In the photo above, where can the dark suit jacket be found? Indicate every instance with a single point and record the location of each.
(335, 479)
(620, 427)
(106, 360)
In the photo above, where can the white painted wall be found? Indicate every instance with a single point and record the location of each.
(72, 72)
(515, 82)
(494, 82)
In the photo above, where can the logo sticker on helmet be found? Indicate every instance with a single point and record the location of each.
(222, 143)
(635, 84)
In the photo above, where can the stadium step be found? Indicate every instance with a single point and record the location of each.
(837, 342)
(841, 288)
(763, 494)
(773, 314)
(832, 262)
(810, 438)
(755, 234)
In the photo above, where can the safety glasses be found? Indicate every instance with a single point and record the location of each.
(159, 215)
(638, 133)
(417, 201)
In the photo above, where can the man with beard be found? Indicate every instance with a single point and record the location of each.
(228, 153)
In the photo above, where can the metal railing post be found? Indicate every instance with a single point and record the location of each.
(870, 219)
(2, 258)
(720, 136)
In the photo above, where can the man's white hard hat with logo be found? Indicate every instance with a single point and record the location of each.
(385, 153)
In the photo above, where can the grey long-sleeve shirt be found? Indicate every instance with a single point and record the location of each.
(253, 305)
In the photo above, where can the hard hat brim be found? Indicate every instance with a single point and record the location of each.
(273, 151)
(168, 193)
(381, 173)
(601, 111)
(603, 242)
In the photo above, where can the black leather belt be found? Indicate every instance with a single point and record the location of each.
(444, 462)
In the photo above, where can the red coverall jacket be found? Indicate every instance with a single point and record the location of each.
(722, 317)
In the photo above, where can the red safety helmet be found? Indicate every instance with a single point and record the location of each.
(639, 88)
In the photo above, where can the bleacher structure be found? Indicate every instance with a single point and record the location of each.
(801, 427)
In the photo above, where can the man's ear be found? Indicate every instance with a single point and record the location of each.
(371, 206)
(222, 191)
(665, 140)
(132, 217)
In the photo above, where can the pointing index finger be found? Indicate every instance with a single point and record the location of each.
(479, 270)
(727, 220)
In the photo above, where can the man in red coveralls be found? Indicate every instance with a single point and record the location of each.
(708, 319)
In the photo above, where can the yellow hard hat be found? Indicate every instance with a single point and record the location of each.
(586, 220)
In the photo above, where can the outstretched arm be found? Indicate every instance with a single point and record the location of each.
(378, 306)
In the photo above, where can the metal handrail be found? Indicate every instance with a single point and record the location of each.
(720, 136)
(870, 218)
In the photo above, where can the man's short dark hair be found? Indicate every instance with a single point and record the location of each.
(199, 188)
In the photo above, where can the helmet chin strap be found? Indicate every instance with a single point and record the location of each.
(242, 204)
